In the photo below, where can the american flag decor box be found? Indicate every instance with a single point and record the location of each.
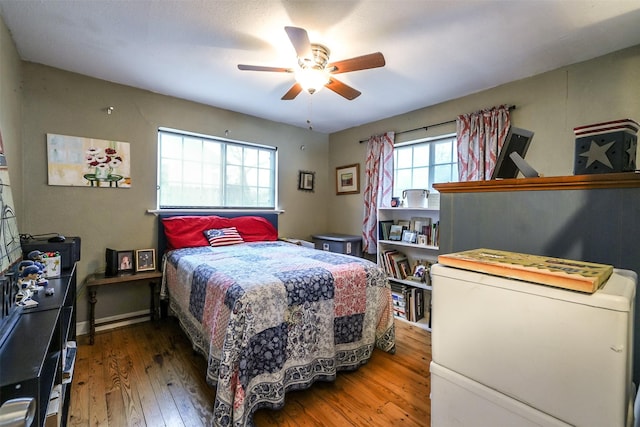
(606, 147)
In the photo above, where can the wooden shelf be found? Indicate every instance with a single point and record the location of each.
(574, 182)
(413, 283)
(422, 323)
(409, 245)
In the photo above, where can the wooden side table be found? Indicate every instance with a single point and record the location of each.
(99, 279)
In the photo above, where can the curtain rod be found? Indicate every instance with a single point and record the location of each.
(511, 107)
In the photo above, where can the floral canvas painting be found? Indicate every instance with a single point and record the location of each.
(88, 162)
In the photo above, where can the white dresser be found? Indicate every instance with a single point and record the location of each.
(508, 352)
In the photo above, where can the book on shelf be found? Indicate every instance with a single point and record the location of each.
(561, 273)
(405, 269)
(409, 303)
(383, 229)
(396, 264)
(435, 234)
(386, 261)
(419, 224)
(68, 361)
(399, 304)
(397, 258)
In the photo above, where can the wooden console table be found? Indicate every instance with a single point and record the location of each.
(99, 279)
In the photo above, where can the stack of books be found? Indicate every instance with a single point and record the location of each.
(396, 264)
(409, 303)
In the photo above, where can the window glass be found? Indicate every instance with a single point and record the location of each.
(197, 171)
(421, 163)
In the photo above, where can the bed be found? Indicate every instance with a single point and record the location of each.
(268, 315)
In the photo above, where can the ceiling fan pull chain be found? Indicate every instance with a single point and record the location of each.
(310, 113)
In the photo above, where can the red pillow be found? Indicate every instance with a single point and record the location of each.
(187, 231)
(254, 228)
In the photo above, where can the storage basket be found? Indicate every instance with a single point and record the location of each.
(415, 198)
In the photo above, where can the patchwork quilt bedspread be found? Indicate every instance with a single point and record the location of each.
(274, 316)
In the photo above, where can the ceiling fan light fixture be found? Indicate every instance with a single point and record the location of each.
(312, 79)
(314, 70)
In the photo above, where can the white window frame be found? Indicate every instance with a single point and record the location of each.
(431, 142)
(273, 171)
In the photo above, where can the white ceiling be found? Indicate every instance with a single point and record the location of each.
(434, 50)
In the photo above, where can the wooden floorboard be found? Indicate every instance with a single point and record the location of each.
(147, 375)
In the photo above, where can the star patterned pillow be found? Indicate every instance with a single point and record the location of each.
(223, 236)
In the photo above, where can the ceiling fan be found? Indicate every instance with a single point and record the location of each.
(314, 70)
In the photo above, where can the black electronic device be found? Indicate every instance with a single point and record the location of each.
(57, 239)
(111, 258)
(517, 141)
(69, 249)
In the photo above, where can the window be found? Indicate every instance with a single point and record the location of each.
(197, 171)
(421, 163)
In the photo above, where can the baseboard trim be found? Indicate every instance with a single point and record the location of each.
(82, 328)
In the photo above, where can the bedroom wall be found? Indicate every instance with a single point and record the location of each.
(61, 102)
(550, 104)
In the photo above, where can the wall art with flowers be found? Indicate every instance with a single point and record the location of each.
(88, 162)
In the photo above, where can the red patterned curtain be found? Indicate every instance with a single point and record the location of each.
(480, 138)
(378, 186)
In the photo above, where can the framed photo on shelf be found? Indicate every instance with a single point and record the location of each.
(125, 262)
(348, 179)
(395, 232)
(145, 259)
(409, 236)
(306, 180)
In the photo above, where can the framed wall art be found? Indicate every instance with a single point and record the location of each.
(348, 179)
(88, 162)
(306, 180)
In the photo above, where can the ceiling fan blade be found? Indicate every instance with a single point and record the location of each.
(364, 62)
(293, 92)
(342, 89)
(300, 41)
(261, 68)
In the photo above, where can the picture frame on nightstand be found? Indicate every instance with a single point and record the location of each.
(145, 260)
(126, 263)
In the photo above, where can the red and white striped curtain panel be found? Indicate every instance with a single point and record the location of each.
(480, 138)
(378, 186)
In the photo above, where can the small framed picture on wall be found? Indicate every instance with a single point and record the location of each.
(348, 179)
(306, 180)
(145, 259)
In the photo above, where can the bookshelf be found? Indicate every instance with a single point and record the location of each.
(401, 250)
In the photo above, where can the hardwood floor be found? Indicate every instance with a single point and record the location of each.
(147, 375)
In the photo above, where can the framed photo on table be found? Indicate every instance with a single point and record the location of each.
(348, 179)
(125, 262)
(145, 259)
